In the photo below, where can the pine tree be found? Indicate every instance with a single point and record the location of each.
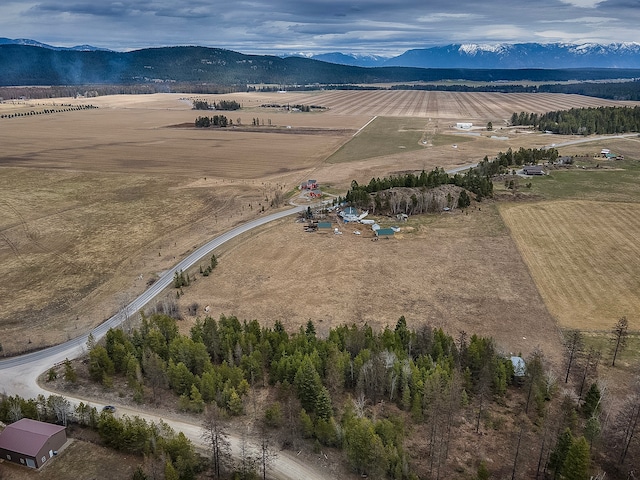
(196, 401)
(323, 407)
(577, 462)
(70, 374)
(591, 401)
(139, 474)
(235, 403)
(559, 454)
(170, 472)
(308, 385)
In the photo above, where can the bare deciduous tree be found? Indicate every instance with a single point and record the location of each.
(589, 367)
(267, 453)
(214, 433)
(247, 460)
(60, 407)
(626, 425)
(573, 344)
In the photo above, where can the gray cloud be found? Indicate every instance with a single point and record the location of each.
(282, 26)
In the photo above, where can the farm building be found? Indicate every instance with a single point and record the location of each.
(519, 368)
(385, 232)
(464, 125)
(533, 170)
(348, 211)
(309, 185)
(324, 226)
(31, 443)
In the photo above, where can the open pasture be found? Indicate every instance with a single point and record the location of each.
(94, 203)
(455, 271)
(131, 138)
(584, 258)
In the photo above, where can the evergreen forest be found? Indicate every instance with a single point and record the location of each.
(395, 403)
(583, 121)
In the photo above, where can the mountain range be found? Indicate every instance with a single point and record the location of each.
(502, 56)
(471, 55)
(35, 43)
(27, 62)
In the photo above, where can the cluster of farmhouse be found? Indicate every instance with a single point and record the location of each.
(311, 188)
(349, 215)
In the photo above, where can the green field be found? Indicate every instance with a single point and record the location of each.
(383, 136)
(390, 135)
(617, 183)
(603, 342)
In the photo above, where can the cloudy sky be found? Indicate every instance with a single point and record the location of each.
(383, 27)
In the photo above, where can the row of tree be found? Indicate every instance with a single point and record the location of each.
(65, 91)
(68, 108)
(505, 161)
(298, 106)
(583, 121)
(167, 451)
(610, 90)
(221, 105)
(368, 196)
(411, 201)
(215, 121)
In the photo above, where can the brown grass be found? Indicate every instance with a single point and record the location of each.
(584, 258)
(455, 271)
(77, 459)
(91, 199)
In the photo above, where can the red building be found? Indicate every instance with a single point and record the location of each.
(310, 185)
(31, 443)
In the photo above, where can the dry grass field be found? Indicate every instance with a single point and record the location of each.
(94, 203)
(455, 271)
(584, 258)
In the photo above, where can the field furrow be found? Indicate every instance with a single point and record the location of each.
(584, 258)
(488, 106)
(422, 104)
(432, 104)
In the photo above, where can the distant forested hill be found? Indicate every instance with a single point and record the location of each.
(32, 65)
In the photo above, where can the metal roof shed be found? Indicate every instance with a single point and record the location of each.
(385, 232)
(31, 443)
(519, 367)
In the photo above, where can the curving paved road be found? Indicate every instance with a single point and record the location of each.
(75, 347)
(18, 375)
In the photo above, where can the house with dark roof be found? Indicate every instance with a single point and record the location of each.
(31, 443)
(533, 170)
